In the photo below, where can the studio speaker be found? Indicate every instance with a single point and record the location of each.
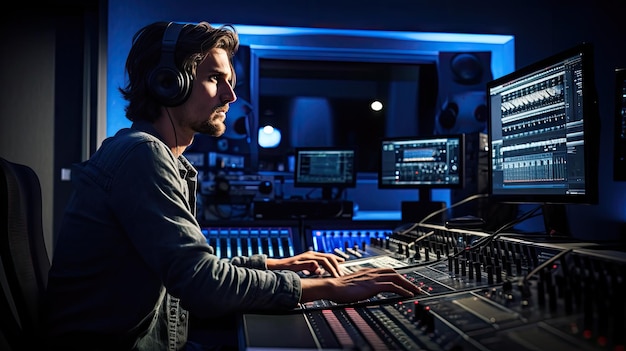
(461, 101)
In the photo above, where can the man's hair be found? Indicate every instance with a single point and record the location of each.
(192, 46)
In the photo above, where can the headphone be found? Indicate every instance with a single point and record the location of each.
(169, 85)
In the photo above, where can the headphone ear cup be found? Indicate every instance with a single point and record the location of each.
(169, 85)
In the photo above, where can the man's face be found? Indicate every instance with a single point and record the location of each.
(211, 93)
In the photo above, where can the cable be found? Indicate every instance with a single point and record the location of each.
(545, 264)
(525, 216)
(308, 194)
(467, 199)
(414, 225)
(487, 239)
(518, 220)
(173, 128)
(423, 237)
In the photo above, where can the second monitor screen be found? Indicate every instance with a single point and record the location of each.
(422, 162)
(325, 167)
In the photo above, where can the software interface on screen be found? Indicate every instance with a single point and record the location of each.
(538, 129)
(325, 167)
(422, 162)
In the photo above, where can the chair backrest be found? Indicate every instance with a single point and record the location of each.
(24, 260)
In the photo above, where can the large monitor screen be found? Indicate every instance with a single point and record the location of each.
(422, 162)
(325, 167)
(543, 131)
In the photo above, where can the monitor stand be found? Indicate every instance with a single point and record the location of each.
(327, 193)
(555, 220)
(416, 211)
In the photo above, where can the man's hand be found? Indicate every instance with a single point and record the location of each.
(358, 286)
(311, 261)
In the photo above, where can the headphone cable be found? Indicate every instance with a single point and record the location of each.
(173, 128)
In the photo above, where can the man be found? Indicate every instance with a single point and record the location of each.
(130, 260)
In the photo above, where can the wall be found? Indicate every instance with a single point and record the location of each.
(27, 105)
(540, 29)
(46, 70)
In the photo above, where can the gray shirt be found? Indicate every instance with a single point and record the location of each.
(129, 234)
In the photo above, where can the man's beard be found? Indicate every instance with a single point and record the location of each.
(213, 129)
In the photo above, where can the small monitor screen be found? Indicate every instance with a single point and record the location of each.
(422, 162)
(543, 131)
(325, 167)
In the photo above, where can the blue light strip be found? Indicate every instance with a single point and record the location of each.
(243, 29)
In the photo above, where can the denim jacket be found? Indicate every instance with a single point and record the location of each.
(128, 235)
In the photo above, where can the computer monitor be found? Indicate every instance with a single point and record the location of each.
(544, 131)
(328, 168)
(423, 163)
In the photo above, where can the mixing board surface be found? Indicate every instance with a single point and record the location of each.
(482, 292)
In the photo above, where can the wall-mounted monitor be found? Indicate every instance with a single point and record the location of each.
(328, 168)
(544, 131)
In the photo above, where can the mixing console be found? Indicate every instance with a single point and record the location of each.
(245, 241)
(482, 292)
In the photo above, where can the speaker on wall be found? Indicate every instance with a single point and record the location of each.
(239, 120)
(461, 101)
(241, 63)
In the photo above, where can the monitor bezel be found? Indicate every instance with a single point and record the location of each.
(459, 185)
(591, 129)
(298, 183)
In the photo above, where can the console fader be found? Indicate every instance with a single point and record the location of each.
(245, 241)
(482, 292)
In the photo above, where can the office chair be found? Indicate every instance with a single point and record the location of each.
(24, 261)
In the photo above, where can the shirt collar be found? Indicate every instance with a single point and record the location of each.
(147, 127)
(187, 170)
